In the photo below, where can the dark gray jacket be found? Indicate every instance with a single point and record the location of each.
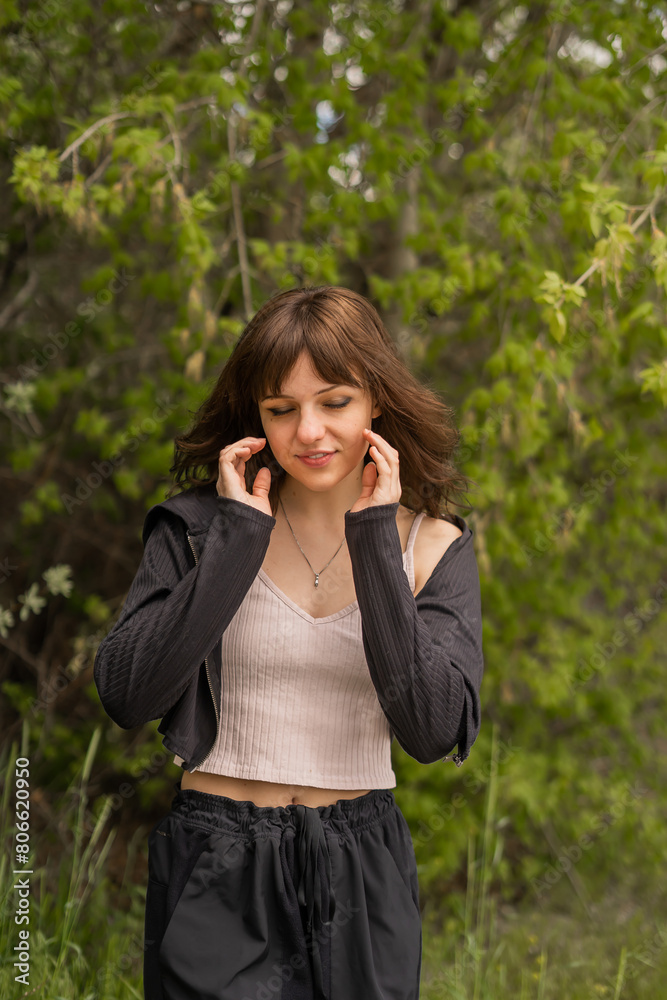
(162, 658)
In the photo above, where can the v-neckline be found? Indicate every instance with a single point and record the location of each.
(348, 609)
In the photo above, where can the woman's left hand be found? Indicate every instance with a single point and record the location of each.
(380, 482)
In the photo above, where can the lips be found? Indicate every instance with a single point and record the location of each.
(315, 463)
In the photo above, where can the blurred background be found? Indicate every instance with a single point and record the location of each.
(492, 176)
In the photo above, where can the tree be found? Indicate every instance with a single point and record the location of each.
(492, 176)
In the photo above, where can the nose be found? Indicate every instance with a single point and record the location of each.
(310, 429)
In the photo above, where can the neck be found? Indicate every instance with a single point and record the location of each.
(320, 509)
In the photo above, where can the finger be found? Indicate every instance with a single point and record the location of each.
(262, 484)
(247, 442)
(383, 448)
(237, 453)
(386, 449)
(368, 481)
(236, 462)
(379, 456)
(377, 438)
(388, 459)
(387, 470)
(237, 449)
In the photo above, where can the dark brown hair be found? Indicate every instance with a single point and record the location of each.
(348, 343)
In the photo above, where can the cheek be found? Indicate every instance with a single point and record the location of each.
(356, 432)
(356, 442)
(279, 439)
(272, 438)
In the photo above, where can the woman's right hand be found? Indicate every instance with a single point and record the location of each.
(231, 475)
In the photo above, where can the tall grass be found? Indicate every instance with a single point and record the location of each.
(84, 947)
(69, 894)
(482, 961)
(476, 972)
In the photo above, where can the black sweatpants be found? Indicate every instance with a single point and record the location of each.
(248, 902)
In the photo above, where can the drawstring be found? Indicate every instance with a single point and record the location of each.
(312, 839)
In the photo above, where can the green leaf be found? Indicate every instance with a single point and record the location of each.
(557, 325)
(654, 379)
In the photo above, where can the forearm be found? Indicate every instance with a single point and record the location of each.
(174, 612)
(419, 652)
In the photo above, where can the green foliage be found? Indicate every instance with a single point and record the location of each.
(83, 945)
(494, 178)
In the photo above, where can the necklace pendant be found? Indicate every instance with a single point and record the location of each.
(317, 579)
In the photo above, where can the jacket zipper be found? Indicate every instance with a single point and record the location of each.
(208, 678)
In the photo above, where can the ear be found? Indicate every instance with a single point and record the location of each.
(377, 412)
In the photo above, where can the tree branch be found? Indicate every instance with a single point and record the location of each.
(621, 139)
(19, 300)
(37, 665)
(94, 128)
(597, 264)
(238, 226)
(252, 35)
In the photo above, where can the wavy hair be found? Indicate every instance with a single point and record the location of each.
(348, 343)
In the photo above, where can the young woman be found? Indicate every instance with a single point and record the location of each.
(301, 603)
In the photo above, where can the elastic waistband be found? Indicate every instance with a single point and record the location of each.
(244, 819)
(220, 812)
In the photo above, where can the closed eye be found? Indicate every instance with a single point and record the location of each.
(332, 406)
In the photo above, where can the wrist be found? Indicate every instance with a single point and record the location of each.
(241, 509)
(373, 512)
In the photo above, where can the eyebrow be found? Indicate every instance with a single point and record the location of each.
(318, 393)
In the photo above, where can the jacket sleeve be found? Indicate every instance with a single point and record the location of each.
(175, 610)
(424, 654)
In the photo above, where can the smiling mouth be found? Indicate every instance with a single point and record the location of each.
(317, 459)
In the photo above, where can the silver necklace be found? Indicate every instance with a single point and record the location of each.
(317, 575)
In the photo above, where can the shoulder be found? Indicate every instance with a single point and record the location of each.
(434, 537)
(192, 509)
(432, 530)
(436, 529)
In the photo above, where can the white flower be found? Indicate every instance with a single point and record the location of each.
(31, 601)
(6, 618)
(20, 396)
(57, 579)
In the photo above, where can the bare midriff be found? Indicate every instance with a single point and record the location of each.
(266, 793)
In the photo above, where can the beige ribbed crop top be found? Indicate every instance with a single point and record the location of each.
(298, 703)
